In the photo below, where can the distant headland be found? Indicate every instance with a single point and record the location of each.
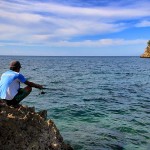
(146, 53)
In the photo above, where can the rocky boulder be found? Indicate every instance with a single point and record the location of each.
(24, 129)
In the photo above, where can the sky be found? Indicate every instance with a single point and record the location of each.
(74, 27)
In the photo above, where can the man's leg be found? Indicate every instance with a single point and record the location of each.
(22, 93)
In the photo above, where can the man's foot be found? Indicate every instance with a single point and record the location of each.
(2, 103)
(16, 106)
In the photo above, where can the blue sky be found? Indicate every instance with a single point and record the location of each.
(74, 27)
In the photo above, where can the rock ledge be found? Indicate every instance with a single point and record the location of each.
(24, 129)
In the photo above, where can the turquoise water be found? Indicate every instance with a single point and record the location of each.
(98, 103)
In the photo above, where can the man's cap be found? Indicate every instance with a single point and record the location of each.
(15, 64)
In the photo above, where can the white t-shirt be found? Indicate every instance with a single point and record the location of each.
(10, 84)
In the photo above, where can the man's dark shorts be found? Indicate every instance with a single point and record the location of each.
(22, 93)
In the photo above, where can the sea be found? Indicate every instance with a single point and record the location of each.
(97, 103)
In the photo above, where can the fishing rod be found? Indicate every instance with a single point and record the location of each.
(41, 90)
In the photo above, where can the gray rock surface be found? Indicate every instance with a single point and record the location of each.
(24, 129)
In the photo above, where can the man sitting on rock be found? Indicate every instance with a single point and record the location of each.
(10, 90)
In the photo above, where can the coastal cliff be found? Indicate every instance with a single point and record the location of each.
(146, 53)
(24, 129)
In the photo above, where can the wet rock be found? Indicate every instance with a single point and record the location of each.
(24, 129)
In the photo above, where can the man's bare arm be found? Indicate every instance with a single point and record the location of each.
(32, 84)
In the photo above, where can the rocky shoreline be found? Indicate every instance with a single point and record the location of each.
(24, 129)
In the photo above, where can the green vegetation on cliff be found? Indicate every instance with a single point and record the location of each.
(148, 43)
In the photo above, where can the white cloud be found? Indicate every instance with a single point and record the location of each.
(29, 9)
(109, 11)
(144, 23)
(8, 32)
(99, 43)
(85, 43)
(32, 22)
(56, 28)
(20, 17)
